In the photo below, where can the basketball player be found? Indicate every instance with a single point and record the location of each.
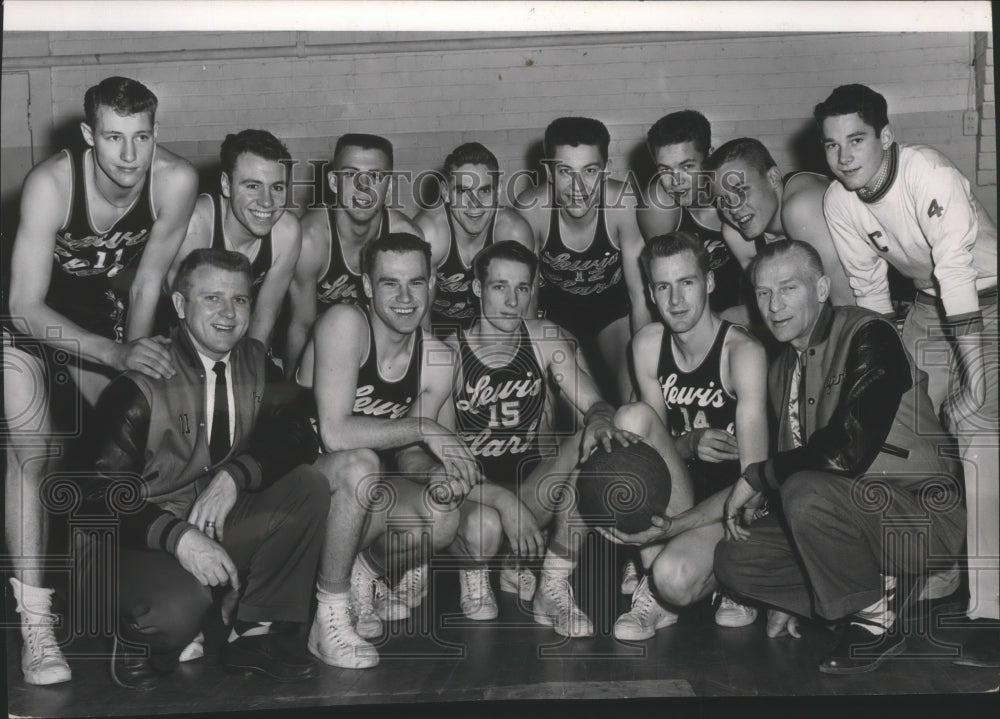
(679, 197)
(707, 380)
(249, 217)
(909, 206)
(499, 412)
(759, 206)
(378, 381)
(98, 231)
(328, 271)
(469, 220)
(585, 227)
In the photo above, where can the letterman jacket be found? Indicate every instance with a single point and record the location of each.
(863, 409)
(151, 453)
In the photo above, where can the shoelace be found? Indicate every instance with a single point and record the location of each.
(41, 641)
(561, 592)
(412, 583)
(338, 616)
(728, 603)
(643, 601)
(476, 582)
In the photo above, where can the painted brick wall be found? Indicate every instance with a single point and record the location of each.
(429, 102)
(986, 159)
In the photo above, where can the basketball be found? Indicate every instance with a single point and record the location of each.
(628, 484)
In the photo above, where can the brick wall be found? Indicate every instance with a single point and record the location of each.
(427, 102)
(986, 158)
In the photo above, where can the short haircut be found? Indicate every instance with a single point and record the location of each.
(674, 243)
(257, 142)
(849, 99)
(471, 153)
(576, 131)
(364, 142)
(503, 250)
(677, 127)
(773, 250)
(394, 242)
(747, 149)
(210, 257)
(123, 95)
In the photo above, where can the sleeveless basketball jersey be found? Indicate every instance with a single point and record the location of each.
(498, 410)
(724, 266)
(379, 397)
(696, 400)
(582, 290)
(340, 283)
(92, 269)
(260, 263)
(454, 302)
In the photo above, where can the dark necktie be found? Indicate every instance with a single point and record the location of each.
(218, 445)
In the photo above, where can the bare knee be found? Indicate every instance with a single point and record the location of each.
(676, 579)
(636, 417)
(481, 531)
(355, 472)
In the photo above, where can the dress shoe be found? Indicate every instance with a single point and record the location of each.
(982, 648)
(264, 654)
(860, 651)
(130, 669)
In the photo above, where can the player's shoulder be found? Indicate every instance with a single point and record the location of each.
(436, 347)
(648, 336)
(342, 321)
(287, 226)
(806, 187)
(54, 173)
(433, 216)
(171, 165)
(314, 224)
(740, 340)
(511, 226)
(399, 222)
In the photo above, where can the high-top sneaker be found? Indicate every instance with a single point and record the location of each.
(477, 600)
(555, 606)
(42, 661)
(333, 640)
(645, 617)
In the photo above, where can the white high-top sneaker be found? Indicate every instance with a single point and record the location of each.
(333, 640)
(518, 580)
(645, 617)
(42, 661)
(555, 606)
(630, 578)
(363, 587)
(412, 587)
(733, 614)
(477, 600)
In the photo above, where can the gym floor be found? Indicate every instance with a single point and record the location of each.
(438, 661)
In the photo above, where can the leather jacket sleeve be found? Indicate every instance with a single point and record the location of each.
(282, 438)
(877, 374)
(116, 484)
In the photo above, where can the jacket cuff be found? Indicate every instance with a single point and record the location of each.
(165, 532)
(245, 471)
(761, 475)
(966, 323)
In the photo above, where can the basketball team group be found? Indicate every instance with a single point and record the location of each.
(288, 415)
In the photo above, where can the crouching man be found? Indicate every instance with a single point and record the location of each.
(862, 477)
(217, 489)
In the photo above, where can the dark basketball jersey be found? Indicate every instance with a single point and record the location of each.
(724, 266)
(261, 261)
(582, 290)
(340, 283)
(697, 400)
(498, 410)
(92, 269)
(454, 303)
(379, 397)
